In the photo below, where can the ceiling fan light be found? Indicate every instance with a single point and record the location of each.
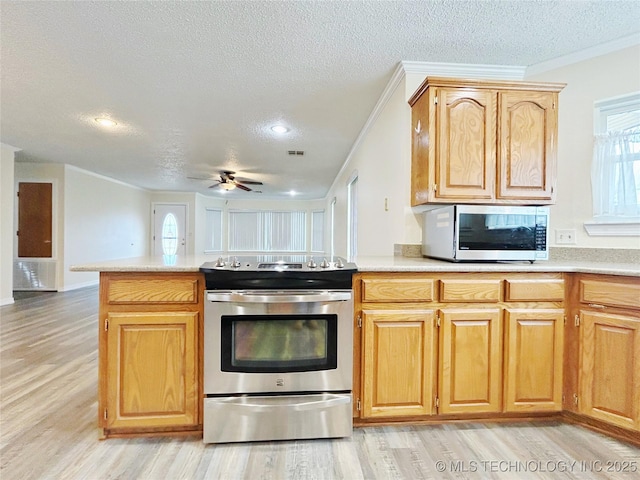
(227, 186)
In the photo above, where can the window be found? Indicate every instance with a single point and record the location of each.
(317, 231)
(213, 230)
(332, 227)
(267, 231)
(615, 171)
(169, 235)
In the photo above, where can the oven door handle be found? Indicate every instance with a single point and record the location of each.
(278, 402)
(275, 296)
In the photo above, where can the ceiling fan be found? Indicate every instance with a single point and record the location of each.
(228, 182)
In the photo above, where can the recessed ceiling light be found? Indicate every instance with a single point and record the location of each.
(106, 122)
(292, 192)
(280, 129)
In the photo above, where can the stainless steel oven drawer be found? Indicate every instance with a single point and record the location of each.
(277, 417)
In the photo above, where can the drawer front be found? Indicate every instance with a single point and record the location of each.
(168, 290)
(610, 293)
(397, 290)
(541, 289)
(470, 290)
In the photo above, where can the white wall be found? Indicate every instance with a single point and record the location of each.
(95, 219)
(602, 77)
(7, 234)
(103, 220)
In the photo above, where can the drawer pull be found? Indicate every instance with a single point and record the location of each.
(597, 305)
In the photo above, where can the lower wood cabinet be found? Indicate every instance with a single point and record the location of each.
(470, 360)
(149, 349)
(468, 344)
(533, 364)
(151, 367)
(610, 368)
(398, 362)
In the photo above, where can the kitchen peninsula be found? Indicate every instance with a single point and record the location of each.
(433, 341)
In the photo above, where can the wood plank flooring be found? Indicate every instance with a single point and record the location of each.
(48, 391)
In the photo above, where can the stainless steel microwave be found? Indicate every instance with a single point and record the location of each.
(476, 233)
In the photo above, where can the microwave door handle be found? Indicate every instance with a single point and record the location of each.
(267, 296)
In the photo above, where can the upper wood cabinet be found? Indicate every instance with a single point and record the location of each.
(484, 142)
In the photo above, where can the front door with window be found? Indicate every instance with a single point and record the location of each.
(169, 229)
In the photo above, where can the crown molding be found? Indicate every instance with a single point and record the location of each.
(10, 147)
(586, 54)
(465, 70)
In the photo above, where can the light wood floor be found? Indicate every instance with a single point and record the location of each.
(48, 381)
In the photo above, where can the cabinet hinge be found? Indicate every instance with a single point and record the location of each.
(565, 320)
(358, 404)
(576, 320)
(435, 100)
(106, 325)
(105, 414)
(575, 399)
(359, 321)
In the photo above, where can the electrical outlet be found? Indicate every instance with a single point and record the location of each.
(565, 237)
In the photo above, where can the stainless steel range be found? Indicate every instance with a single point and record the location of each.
(278, 348)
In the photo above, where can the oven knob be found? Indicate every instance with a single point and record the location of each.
(324, 264)
(220, 262)
(235, 263)
(312, 264)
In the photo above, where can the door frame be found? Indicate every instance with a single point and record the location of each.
(153, 224)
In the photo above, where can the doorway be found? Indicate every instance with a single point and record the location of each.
(170, 229)
(34, 266)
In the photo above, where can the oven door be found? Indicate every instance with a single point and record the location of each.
(266, 341)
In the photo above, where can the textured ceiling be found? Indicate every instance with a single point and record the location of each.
(195, 86)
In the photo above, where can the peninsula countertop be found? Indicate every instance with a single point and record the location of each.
(192, 263)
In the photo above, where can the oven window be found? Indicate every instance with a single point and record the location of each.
(279, 343)
(480, 231)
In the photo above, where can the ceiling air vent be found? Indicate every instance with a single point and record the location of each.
(296, 152)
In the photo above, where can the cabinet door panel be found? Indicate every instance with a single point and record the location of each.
(470, 374)
(610, 368)
(466, 143)
(527, 144)
(533, 359)
(399, 362)
(152, 366)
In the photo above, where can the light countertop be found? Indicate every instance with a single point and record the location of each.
(192, 263)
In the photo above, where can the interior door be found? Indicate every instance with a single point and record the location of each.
(35, 224)
(170, 229)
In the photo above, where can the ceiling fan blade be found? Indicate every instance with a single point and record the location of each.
(242, 187)
(248, 182)
(200, 178)
(214, 185)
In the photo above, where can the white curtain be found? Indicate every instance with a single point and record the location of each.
(613, 179)
(267, 231)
